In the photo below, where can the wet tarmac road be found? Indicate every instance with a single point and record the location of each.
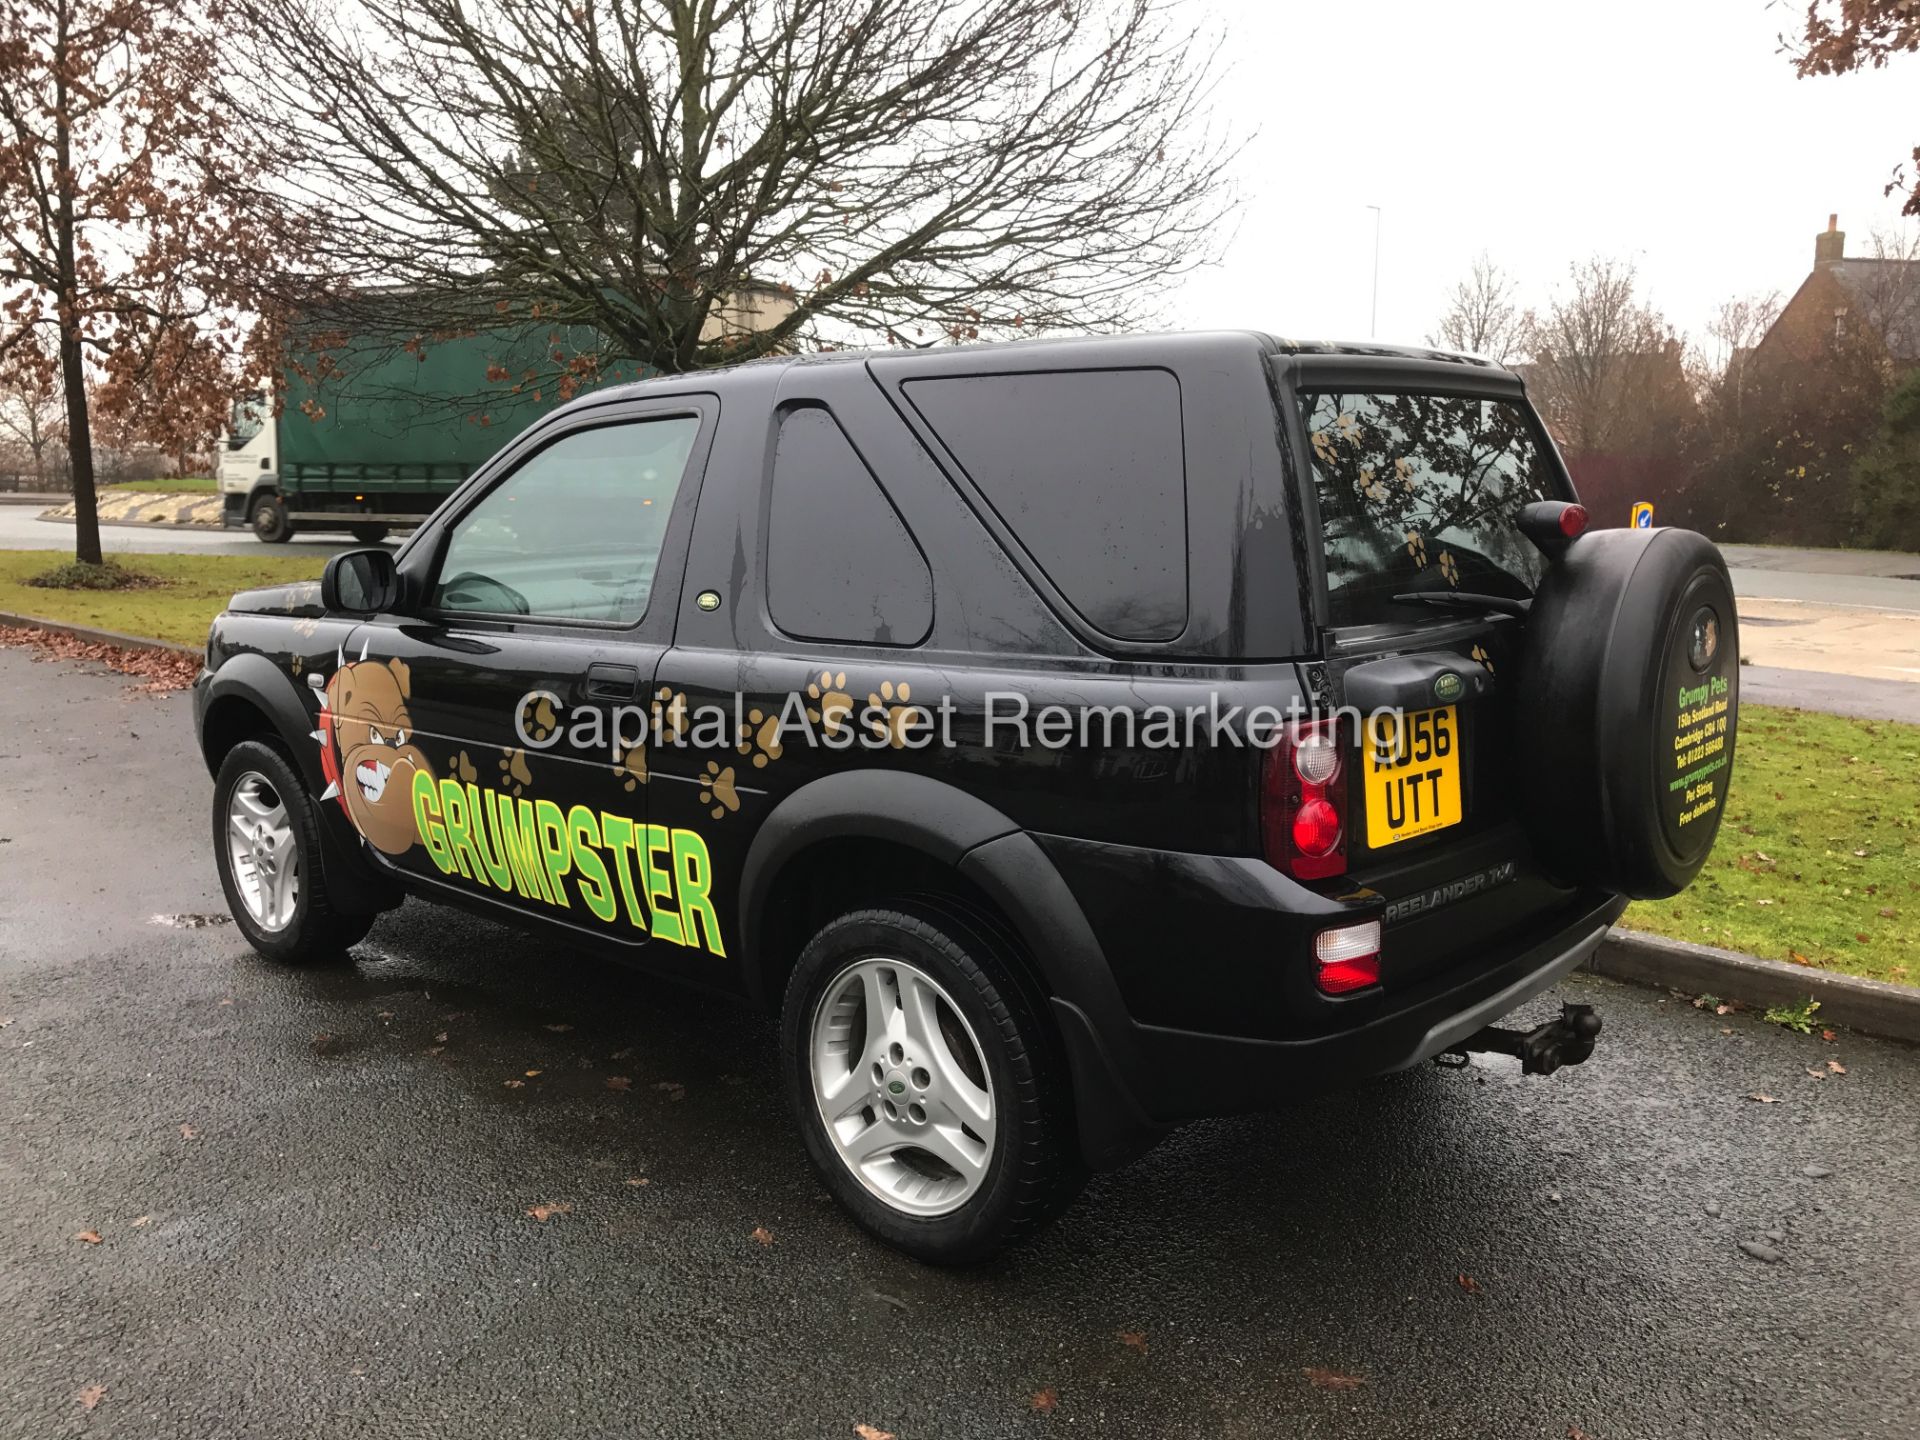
(312, 1187)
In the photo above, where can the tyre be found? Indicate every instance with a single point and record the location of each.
(269, 520)
(266, 842)
(928, 1091)
(1628, 710)
(368, 534)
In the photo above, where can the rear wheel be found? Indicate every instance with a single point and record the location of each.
(266, 842)
(269, 520)
(368, 534)
(925, 1085)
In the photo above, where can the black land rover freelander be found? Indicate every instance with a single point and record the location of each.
(1066, 739)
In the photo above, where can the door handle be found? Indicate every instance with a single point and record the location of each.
(612, 682)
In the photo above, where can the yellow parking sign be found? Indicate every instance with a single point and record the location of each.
(1643, 514)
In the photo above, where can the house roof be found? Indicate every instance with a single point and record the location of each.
(1889, 290)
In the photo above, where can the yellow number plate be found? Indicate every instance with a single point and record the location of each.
(1412, 770)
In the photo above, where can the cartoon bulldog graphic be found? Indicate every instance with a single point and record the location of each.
(366, 753)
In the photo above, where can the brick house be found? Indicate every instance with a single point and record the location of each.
(1848, 297)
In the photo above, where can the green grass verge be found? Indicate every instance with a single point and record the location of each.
(1818, 860)
(186, 485)
(192, 589)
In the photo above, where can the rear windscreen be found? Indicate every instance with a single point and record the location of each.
(1421, 492)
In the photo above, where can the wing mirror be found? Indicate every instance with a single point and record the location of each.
(361, 582)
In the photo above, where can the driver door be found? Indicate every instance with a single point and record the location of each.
(489, 743)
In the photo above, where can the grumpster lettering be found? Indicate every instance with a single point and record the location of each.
(654, 878)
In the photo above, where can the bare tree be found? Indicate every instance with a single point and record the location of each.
(32, 409)
(1482, 317)
(902, 169)
(1606, 370)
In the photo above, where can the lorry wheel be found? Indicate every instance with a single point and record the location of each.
(368, 534)
(270, 522)
(926, 1086)
(1629, 704)
(266, 842)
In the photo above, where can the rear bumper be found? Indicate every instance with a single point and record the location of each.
(1186, 1074)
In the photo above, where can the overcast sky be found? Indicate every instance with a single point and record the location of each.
(1671, 132)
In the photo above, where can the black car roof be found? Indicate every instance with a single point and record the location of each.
(1104, 350)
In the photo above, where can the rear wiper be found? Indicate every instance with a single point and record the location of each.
(1465, 600)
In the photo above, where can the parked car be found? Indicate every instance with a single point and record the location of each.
(1065, 739)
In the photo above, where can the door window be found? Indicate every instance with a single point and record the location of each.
(575, 532)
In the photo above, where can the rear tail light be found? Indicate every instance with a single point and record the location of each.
(1302, 802)
(1349, 958)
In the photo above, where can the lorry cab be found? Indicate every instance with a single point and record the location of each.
(246, 456)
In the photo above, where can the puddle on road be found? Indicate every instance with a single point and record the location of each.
(189, 922)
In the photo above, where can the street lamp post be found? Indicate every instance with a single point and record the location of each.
(1373, 322)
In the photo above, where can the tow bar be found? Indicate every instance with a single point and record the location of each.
(1540, 1051)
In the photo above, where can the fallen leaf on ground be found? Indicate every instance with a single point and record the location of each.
(187, 1132)
(872, 1432)
(763, 1235)
(1322, 1378)
(619, 1082)
(532, 1073)
(1836, 1068)
(1574, 1432)
(1797, 958)
(639, 1180)
(441, 1038)
(1468, 1284)
(91, 1396)
(621, 1054)
(140, 1220)
(436, 1050)
(162, 670)
(1045, 1401)
(1763, 1099)
(227, 1001)
(88, 1237)
(1816, 1074)
(546, 1212)
(5, 1020)
(558, 1029)
(1828, 1036)
(515, 1084)
(1134, 1340)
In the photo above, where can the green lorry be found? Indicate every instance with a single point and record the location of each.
(373, 431)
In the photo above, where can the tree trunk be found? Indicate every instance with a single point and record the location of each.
(86, 516)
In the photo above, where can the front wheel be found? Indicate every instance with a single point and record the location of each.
(266, 843)
(927, 1088)
(270, 522)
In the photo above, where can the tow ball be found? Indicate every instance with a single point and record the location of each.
(1540, 1051)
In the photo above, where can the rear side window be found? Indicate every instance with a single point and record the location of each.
(841, 564)
(1087, 469)
(1422, 492)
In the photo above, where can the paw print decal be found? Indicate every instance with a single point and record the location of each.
(297, 664)
(716, 789)
(537, 720)
(1417, 548)
(464, 768)
(1479, 653)
(669, 715)
(631, 768)
(760, 738)
(514, 774)
(1450, 569)
(900, 717)
(1403, 471)
(1370, 488)
(834, 704)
